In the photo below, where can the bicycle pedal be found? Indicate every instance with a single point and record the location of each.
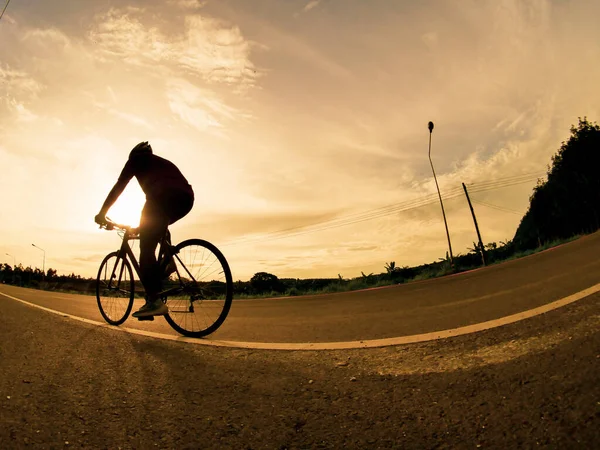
(146, 318)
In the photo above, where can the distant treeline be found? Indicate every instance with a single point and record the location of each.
(266, 283)
(565, 205)
(36, 278)
(263, 283)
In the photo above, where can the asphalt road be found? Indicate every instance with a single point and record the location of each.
(433, 305)
(530, 384)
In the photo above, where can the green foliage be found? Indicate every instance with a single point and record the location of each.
(35, 278)
(568, 202)
(390, 267)
(292, 292)
(263, 282)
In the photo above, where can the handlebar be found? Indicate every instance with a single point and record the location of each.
(110, 225)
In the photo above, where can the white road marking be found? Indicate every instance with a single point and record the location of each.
(341, 345)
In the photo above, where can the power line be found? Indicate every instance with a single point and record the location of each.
(500, 184)
(379, 212)
(351, 218)
(414, 203)
(386, 210)
(496, 207)
(525, 177)
(5, 6)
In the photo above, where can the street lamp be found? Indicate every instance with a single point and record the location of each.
(14, 260)
(430, 126)
(44, 263)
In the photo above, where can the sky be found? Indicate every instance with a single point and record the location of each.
(301, 125)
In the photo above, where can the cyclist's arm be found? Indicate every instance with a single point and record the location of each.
(117, 190)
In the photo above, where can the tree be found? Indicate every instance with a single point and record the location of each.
(568, 202)
(390, 267)
(263, 282)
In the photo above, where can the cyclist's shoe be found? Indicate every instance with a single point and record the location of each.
(151, 309)
(150, 318)
(170, 269)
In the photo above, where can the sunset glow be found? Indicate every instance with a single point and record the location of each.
(301, 125)
(128, 208)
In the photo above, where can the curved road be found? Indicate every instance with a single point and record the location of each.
(402, 310)
(532, 384)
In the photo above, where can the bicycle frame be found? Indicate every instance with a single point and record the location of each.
(126, 252)
(165, 254)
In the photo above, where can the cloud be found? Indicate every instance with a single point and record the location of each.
(363, 248)
(311, 4)
(430, 39)
(111, 94)
(119, 34)
(188, 4)
(23, 114)
(7, 18)
(17, 89)
(47, 37)
(128, 117)
(207, 47)
(17, 83)
(199, 108)
(217, 52)
(262, 226)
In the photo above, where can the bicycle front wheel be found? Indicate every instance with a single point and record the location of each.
(205, 289)
(115, 289)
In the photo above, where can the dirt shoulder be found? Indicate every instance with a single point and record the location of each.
(530, 384)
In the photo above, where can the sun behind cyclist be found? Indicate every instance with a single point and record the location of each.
(169, 197)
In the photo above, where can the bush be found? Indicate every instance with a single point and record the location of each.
(293, 292)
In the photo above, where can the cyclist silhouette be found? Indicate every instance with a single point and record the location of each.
(169, 197)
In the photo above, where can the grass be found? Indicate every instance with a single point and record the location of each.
(546, 246)
(362, 283)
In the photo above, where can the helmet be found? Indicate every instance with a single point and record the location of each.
(142, 149)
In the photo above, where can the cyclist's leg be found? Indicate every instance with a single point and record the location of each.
(153, 224)
(179, 205)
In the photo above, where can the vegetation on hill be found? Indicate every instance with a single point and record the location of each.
(568, 202)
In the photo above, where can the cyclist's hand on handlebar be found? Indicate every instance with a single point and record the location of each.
(100, 219)
(103, 221)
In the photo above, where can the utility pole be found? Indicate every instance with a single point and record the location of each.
(476, 226)
(430, 126)
(43, 263)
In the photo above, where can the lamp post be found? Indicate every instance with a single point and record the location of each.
(44, 263)
(430, 126)
(14, 261)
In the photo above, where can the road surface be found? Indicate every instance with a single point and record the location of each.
(414, 308)
(529, 384)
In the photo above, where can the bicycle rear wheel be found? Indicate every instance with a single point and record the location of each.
(205, 289)
(115, 289)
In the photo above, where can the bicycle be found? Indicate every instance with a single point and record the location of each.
(198, 303)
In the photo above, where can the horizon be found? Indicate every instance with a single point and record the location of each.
(301, 125)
